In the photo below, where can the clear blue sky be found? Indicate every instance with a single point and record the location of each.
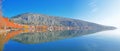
(105, 12)
(66, 8)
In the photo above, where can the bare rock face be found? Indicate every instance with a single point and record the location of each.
(40, 19)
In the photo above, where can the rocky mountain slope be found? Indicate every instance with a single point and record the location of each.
(40, 19)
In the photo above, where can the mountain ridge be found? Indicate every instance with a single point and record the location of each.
(42, 19)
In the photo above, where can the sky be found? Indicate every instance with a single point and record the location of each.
(105, 12)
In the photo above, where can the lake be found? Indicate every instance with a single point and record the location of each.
(69, 40)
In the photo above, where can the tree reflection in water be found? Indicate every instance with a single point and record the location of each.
(6, 36)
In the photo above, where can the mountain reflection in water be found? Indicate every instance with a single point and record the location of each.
(29, 37)
(40, 37)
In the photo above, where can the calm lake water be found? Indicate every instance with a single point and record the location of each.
(64, 41)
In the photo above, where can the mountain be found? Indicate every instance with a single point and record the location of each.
(41, 19)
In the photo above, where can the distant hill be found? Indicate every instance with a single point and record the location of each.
(40, 19)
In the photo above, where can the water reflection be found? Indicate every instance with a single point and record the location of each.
(6, 36)
(40, 37)
(32, 37)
